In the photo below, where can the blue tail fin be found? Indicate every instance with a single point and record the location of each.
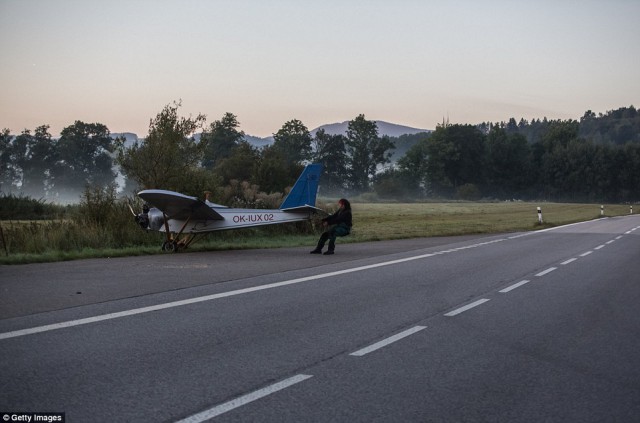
(305, 189)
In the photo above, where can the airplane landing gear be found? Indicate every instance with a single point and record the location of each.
(169, 246)
(172, 245)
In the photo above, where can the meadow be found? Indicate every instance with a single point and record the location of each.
(116, 234)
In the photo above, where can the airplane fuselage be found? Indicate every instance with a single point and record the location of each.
(233, 219)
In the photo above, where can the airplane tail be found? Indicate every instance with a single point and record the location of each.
(303, 194)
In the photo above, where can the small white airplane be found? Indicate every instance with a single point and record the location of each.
(179, 215)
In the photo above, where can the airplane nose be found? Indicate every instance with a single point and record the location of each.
(155, 219)
(142, 219)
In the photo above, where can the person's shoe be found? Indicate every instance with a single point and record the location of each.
(328, 253)
(316, 251)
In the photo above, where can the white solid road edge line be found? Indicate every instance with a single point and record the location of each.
(467, 307)
(245, 399)
(132, 312)
(389, 340)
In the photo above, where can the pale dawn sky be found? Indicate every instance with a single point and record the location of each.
(409, 62)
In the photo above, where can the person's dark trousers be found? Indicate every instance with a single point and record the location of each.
(323, 239)
(331, 234)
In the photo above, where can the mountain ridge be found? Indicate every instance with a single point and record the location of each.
(338, 128)
(384, 128)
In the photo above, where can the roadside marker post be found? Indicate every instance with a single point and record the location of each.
(539, 215)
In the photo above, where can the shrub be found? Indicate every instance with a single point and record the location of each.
(469, 192)
(26, 208)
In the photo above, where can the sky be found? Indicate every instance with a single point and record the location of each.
(410, 62)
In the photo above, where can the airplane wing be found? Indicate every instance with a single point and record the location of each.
(305, 208)
(179, 206)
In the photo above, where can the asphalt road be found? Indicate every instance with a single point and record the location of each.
(533, 327)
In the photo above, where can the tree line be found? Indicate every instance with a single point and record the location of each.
(594, 159)
(495, 161)
(37, 165)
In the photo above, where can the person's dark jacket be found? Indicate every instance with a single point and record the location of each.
(341, 216)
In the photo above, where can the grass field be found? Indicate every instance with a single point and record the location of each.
(386, 221)
(372, 222)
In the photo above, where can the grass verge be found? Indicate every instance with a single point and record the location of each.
(372, 222)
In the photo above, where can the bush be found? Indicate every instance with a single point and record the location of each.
(26, 208)
(97, 205)
(469, 192)
(245, 195)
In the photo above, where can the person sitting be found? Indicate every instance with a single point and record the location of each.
(339, 223)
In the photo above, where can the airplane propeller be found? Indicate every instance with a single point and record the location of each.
(141, 219)
(131, 208)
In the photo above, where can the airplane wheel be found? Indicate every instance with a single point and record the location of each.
(170, 247)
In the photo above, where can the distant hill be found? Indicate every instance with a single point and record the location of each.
(384, 128)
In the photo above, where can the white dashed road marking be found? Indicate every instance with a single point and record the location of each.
(514, 286)
(387, 341)
(544, 272)
(467, 307)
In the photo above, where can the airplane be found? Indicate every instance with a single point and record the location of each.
(179, 215)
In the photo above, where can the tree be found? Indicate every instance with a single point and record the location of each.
(240, 165)
(274, 173)
(554, 172)
(579, 180)
(605, 174)
(627, 162)
(7, 168)
(508, 163)
(26, 161)
(220, 140)
(456, 157)
(512, 126)
(413, 167)
(398, 184)
(366, 151)
(330, 151)
(293, 142)
(169, 158)
(82, 157)
(36, 178)
(560, 133)
(403, 143)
